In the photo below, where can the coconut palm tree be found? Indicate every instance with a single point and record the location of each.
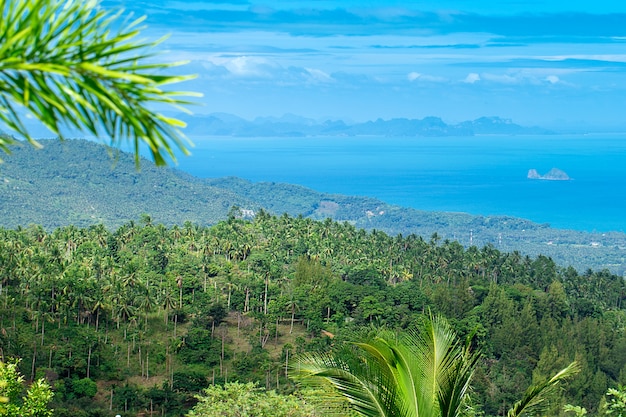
(424, 373)
(72, 63)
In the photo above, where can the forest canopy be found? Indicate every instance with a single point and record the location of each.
(156, 314)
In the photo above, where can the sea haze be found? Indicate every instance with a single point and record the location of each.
(484, 175)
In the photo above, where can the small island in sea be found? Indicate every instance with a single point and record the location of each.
(554, 174)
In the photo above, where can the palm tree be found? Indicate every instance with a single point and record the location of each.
(424, 373)
(72, 63)
(145, 302)
(168, 302)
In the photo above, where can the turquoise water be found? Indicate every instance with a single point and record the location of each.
(478, 175)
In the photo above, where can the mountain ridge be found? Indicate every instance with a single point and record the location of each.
(223, 124)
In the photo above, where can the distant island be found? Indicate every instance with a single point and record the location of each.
(554, 174)
(293, 126)
(222, 124)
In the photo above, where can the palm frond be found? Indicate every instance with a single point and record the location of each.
(438, 354)
(72, 64)
(535, 394)
(416, 374)
(393, 355)
(363, 384)
(454, 385)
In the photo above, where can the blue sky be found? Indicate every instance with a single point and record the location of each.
(553, 63)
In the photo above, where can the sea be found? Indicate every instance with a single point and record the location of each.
(480, 175)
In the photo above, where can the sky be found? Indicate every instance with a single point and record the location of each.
(551, 63)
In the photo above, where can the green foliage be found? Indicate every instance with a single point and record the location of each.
(616, 402)
(534, 397)
(35, 184)
(34, 189)
(73, 64)
(247, 400)
(189, 381)
(577, 410)
(35, 403)
(84, 387)
(199, 346)
(31, 403)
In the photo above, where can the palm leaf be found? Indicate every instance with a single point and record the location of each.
(416, 374)
(535, 394)
(73, 64)
(363, 384)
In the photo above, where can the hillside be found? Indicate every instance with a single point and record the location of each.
(137, 320)
(81, 183)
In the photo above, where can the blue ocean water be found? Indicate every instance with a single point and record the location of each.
(484, 175)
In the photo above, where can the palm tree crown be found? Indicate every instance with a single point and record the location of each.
(425, 373)
(419, 373)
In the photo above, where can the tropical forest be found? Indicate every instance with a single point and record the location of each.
(143, 318)
(130, 289)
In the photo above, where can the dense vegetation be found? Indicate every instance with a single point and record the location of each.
(78, 183)
(144, 316)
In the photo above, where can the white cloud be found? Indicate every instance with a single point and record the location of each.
(414, 76)
(518, 77)
(319, 75)
(471, 78)
(254, 69)
(503, 78)
(553, 79)
(245, 66)
(590, 57)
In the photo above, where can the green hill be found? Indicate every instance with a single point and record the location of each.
(84, 183)
(138, 320)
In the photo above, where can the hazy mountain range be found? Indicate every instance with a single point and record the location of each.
(223, 124)
(290, 125)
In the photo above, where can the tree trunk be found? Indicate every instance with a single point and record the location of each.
(267, 279)
(276, 333)
(88, 361)
(32, 369)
